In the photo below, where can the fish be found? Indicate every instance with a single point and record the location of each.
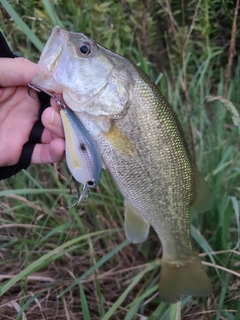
(142, 145)
(82, 155)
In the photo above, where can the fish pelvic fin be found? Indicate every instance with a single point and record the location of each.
(179, 279)
(136, 227)
(202, 200)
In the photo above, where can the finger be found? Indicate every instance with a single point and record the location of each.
(51, 120)
(49, 153)
(16, 72)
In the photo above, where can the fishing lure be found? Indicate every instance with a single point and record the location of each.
(83, 158)
(82, 155)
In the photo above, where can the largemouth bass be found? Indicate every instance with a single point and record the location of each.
(142, 145)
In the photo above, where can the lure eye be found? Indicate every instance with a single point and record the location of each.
(90, 183)
(85, 49)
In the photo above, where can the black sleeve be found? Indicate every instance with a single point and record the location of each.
(36, 133)
(5, 51)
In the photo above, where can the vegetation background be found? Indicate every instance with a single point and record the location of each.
(76, 264)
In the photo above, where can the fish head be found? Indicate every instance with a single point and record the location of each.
(90, 78)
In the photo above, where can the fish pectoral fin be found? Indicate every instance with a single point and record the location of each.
(120, 142)
(136, 227)
(178, 280)
(202, 200)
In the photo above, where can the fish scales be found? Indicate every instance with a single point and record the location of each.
(142, 145)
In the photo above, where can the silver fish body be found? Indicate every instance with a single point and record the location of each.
(141, 144)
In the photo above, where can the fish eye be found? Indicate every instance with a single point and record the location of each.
(85, 49)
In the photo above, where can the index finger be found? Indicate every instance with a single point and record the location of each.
(16, 71)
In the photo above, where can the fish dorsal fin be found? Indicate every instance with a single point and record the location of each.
(202, 200)
(136, 227)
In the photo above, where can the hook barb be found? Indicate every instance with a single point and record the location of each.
(82, 196)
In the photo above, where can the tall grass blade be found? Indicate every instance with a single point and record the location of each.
(237, 214)
(237, 315)
(204, 245)
(28, 191)
(146, 294)
(158, 312)
(175, 311)
(222, 297)
(52, 13)
(100, 296)
(84, 305)
(22, 25)
(132, 311)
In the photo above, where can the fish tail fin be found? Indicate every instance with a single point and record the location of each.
(184, 278)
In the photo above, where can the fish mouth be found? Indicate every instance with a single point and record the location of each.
(53, 50)
(45, 83)
(57, 94)
(49, 72)
(48, 84)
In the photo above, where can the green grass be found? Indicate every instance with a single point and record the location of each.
(76, 264)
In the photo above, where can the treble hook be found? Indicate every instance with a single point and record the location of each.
(82, 196)
(29, 92)
(37, 88)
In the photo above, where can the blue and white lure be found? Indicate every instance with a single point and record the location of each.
(82, 155)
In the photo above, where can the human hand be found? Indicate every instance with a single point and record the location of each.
(19, 112)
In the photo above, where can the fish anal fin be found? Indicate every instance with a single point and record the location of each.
(178, 280)
(136, 227)
(202, 199)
